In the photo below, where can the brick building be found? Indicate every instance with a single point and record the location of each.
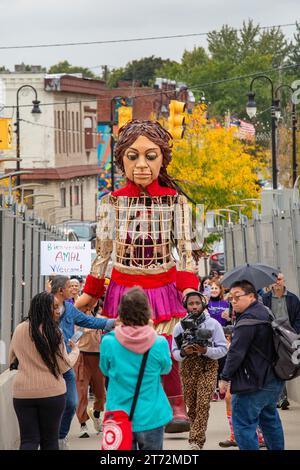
(60, 149)
(147, 102)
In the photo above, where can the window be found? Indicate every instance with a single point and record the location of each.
(73, 133)
(63, 131)
(59, 132)
(88, 132)
(63, 197)
(77, 131)
(76, 196)
(69, 133)
(55, 132)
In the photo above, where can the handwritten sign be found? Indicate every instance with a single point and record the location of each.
(66, 258)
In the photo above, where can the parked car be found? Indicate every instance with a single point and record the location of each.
(68, 233)
(84, 229)
(217, 262)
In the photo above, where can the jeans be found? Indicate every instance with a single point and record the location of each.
(250, 410)
(71, 404)
(148, 440)
(39, 421)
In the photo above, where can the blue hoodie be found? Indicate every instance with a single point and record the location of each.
(72, 316)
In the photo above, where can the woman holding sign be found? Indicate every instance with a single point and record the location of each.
(143, 222)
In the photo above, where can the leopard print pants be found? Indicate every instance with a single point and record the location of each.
(199, 377)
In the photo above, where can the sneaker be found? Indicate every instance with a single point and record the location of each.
(96, 421)
(228, 443)
(285, 404)
(215, 396)
(63, 444)
(84, 432)
(194, 446)
(262, 444)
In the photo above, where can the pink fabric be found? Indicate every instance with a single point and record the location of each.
(137, 339)
(165, 301)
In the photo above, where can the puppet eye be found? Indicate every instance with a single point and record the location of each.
(132, 156)
(151, 156)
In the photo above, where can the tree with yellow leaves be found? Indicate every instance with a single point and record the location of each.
(213, 166)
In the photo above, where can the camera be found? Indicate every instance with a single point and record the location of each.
(193, 333)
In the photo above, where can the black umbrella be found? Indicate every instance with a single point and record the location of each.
(260, 275)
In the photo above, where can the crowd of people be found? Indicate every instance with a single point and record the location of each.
(161, 352)
(59, 374)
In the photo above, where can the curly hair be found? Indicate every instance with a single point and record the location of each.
(134, 308)
(154, 131)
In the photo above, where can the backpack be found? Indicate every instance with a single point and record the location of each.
(286, 364)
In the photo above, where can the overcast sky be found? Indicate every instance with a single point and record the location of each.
(27, 22)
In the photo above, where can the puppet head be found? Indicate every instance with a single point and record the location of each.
(143, 152)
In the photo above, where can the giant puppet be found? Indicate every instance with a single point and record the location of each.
(139, 226)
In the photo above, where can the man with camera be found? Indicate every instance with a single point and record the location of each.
(198, 342)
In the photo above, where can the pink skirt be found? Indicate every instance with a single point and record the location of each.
(165, 301)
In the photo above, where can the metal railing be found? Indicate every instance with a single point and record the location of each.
(20, 244)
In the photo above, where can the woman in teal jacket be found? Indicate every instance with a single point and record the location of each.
(121, 355)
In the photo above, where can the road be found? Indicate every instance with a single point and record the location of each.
(217, 431)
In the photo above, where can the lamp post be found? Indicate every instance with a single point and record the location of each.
(25, 186)
(36, 113)
(239, 208)
(294, 127)
(229, 212)
(33, 196)
(251, 111)
(10, 176)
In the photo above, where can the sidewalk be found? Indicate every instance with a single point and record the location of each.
(217, 431)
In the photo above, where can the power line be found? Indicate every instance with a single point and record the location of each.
(194, 87)
(241, 77)
(118, 41)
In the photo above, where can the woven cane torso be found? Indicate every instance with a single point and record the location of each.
(141, 231)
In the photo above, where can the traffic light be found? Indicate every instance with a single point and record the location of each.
(176, 118)
(124, 115)
(6, 134)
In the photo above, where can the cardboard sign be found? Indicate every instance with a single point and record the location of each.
(65, 258)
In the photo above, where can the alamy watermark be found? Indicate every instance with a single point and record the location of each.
(2, 352)
(296, 94)
(296, 353)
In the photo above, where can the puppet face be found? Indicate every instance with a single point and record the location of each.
(142, 161)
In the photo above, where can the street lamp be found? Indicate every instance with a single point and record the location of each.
(10, 176)
(251, 111)
(239, 208)
(229, 213)
(36, 111)
(25, 186)
(294, 127)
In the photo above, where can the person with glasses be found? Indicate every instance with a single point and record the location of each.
(249, 373)
(285, 306)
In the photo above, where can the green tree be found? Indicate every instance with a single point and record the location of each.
(65, 67)
(212, 165)
(295, 47)
(142, 70)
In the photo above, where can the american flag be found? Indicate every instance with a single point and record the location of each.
(245, 131)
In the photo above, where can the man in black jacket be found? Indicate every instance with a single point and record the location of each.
(253, 384)
(284, 305)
